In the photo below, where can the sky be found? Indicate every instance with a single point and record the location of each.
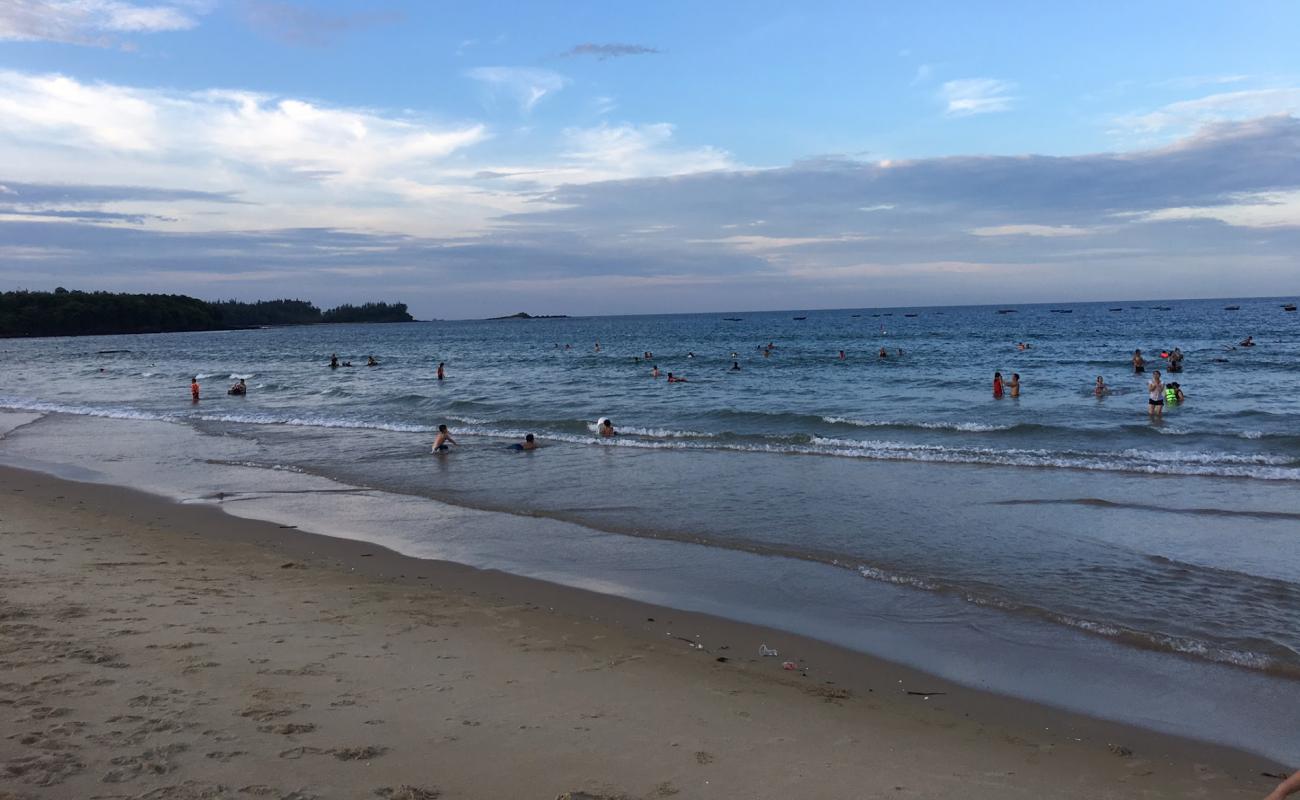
(484, 158)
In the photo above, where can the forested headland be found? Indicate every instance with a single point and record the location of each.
(74, 313)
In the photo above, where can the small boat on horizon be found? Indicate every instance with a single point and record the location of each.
(732, 319)
(1117, 309)
(909, 315)
(1232, 308)
(801, 318)
(1006, 311)
(1289, 307)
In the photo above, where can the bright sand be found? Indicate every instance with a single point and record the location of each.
(155, 650)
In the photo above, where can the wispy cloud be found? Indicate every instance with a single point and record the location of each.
(970, 96)
(1224, 106)
(303, 25)
(93, 22)
(604, 52)
(527, 85)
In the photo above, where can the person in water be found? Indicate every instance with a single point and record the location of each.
(675, 378)
(1101, 390)
(443, 442)
(240, 388)
(529, 443)
(1139, 365)
(441, 374)
(1014, 386)
(735, 366)
(1249, 341)
(606, 428)
(654, 371)
(334, 361)
(883, 353)
(841, 355)
(1174, 394)
(371, 362)
(194, 388)
(997, 384)
(1155, 396)
(1176, 360)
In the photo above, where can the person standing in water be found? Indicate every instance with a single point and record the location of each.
(1014, 386)
(654, 371)
(443, 442)
(735, 366)
(194, 389)
(841, 355)
(1155, 396)
(606, 427)
(1139, 364)
(997, 385)
(441, 374)
(1101, 389)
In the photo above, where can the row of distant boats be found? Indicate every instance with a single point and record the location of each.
(1285, 307)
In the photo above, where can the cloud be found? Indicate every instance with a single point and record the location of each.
(527, 85)
(1224, 106)
(604, 52)
(302, 25)
(93, 22)
(970, 96)
(241, 130)
(1030, 230)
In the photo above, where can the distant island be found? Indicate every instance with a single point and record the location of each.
(73, 313)
(526, 315)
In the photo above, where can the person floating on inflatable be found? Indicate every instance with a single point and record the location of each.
(239, 389)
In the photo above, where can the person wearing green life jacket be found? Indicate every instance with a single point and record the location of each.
(1174, 394)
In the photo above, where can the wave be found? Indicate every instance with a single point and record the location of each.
(966, 427)
(1261, 466)
(1220, 652)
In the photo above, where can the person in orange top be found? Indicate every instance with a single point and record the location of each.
(194, 388)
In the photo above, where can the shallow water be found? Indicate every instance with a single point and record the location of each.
(1058, 507)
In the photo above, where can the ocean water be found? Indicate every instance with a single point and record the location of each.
(1057, 509)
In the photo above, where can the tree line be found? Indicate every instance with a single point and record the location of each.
(74, 313)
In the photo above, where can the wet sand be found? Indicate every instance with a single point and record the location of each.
(155, 650)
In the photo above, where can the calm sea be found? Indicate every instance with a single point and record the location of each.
(1059, 507)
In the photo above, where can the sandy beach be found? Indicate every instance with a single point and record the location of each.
(158, 650)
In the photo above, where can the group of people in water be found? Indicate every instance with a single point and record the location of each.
(240, 387)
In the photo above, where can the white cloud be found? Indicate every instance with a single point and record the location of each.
(970, 96)
(1221, 107)
(1256, 210)
(528, 85)
(1030, 230)
(89, 21)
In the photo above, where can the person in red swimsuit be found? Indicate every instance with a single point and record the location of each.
(194, 388)
(997, 384)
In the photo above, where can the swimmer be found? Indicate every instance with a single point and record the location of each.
(194, 388)
(1139, 365)
(597, 345)
(1249, 341)
(371, 362)
(735, 366)
(883, 353)
(997, 385)
(1014, 385)
(1155, 396)
(675, 378)
(734, 354)
(334, 361)
(240, 388)
(347, 363)
(841, 355)
(1176, 360)
(900, 352)
(443, 442)
(1022, 346)
(606, 427)
(1101, 389)
(654, 371)
(1174, 394)
(441, 373)
(690, 355)
(529, 443)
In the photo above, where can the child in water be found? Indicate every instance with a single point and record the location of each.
(1101, 389)
(443, 442)
(997, 385)
(194, 388)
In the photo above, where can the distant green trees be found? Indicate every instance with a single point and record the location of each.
(369, 312)
(74, 313)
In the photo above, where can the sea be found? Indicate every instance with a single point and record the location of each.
(1058, 546)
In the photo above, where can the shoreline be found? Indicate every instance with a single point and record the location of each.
(955, 720)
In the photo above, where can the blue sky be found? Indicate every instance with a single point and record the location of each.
(483, 158)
